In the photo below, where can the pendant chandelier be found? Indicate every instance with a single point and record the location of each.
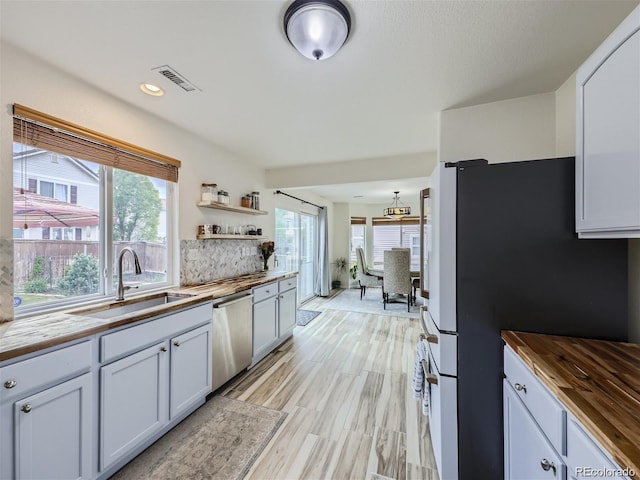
(397, 211)
(317, 28)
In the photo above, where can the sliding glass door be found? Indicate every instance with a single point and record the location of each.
(308, 255)
(297, 248)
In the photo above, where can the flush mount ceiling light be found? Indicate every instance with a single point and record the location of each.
(396, 211)
(151, 89)
(317, 28)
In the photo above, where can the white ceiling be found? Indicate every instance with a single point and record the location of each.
(379, 96)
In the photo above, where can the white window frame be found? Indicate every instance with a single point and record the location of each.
(106, 258)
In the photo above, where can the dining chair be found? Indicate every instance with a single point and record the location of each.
(415, 281)
(365, 277)
(397, 275)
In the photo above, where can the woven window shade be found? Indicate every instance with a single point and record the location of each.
(50, 133)
(393, 221)
(358, 220)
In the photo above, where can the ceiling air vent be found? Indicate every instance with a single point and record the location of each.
(171, 74)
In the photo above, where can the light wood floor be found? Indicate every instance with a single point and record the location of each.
(345, 382)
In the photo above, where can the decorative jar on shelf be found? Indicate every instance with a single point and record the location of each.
(208, 192)
(223, 197)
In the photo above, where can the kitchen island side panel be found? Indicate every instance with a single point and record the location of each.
(520, 266)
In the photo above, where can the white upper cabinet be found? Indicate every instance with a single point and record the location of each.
(608, 136)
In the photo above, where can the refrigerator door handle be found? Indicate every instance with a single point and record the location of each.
(429, 337)
(430, 377)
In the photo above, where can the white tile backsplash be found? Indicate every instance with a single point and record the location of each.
(6, 280)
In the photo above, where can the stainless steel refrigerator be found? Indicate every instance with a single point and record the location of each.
(502, 253)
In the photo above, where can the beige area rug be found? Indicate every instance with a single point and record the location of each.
(220, 441)
(349, 300)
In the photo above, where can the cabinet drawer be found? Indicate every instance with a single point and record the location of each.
(265, 291)
(43, 370)
(135, 338)
(583, 452)
(287, 284)
(545, 409)
(528, 455)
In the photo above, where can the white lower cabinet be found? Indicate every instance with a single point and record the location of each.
(584, 457)
(46, 415)
(165, 374)
(265, 327)
(528, 453)
(287, 313)
(190, 369)
(274, 315)
(134, 401)
(53, 432)
(541, 438)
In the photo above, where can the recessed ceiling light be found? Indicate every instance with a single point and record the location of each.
(151, 89)
(357, 196)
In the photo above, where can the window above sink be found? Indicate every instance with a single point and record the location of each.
(76, 204)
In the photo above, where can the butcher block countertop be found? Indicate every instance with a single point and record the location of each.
(31, 334)
(597, 381)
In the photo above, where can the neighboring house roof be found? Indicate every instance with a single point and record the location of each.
(33, 155)
(40, 211)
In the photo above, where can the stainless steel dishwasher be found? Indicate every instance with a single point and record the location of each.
(232, 336)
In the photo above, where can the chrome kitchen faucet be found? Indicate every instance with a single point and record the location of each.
(121, 286)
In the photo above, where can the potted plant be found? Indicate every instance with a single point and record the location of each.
(354, 269)
(341, 267)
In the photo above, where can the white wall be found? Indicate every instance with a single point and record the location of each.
(28, 81)
(506, 131)
(341, 239)
(354, 171)
(566, 118)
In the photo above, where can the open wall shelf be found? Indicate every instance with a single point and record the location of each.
(231, 208)
(224, 236)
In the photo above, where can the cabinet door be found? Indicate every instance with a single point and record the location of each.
(527, 452)
(608, 160)
(265, 326)
(287, 306)
(134, 401)
(53, 432)
(190, 368)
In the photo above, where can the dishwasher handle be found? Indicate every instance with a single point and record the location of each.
(231, 302)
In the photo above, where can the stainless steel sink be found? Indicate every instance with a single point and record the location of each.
(115, 309)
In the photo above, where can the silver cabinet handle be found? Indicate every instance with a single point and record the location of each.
(10, 384)
(163, 349)
(231, 302)
(520, 388)
(546, 465)
(176, 343)
(26, 408)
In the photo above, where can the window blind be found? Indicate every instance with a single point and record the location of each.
(393, 221)
(358, 220)
(50, 133)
